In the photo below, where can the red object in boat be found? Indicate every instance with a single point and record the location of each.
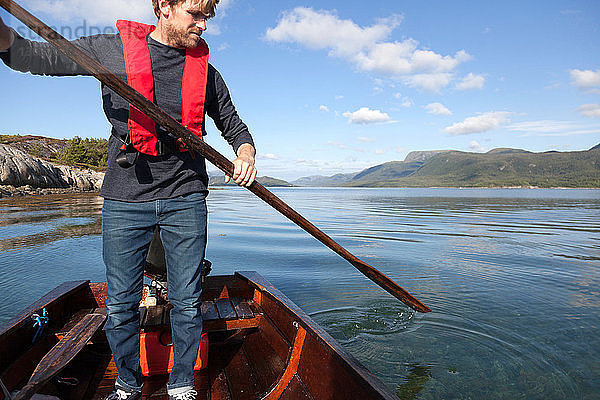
(156, 353)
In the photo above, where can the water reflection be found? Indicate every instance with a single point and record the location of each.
(61, 232)
(41, 220)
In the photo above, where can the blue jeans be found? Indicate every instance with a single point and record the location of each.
(127, 230)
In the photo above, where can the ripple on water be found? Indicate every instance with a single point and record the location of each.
(480, 352)
(499, 354)
(379, 318)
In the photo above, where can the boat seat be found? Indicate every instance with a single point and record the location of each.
(74, 319)
(220, 314)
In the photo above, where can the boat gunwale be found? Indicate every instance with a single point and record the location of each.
(52, 297)
(317, 331)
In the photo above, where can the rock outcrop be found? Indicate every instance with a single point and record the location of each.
(422, 156)
(18, 169)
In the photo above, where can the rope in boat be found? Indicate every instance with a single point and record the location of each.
(40, 321)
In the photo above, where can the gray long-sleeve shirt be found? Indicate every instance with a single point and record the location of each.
(151, 178)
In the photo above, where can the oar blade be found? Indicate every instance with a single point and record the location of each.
(390, 286)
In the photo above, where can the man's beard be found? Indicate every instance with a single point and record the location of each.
(180, 37)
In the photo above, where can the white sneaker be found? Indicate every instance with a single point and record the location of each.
(187, 395)
(120, 394)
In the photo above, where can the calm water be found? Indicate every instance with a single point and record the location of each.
(513, 277)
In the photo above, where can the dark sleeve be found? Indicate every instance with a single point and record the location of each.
(43, 58)
(221, 109)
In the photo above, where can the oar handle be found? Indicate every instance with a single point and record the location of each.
(193, 142)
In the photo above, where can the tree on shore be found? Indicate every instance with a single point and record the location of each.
(88, 151)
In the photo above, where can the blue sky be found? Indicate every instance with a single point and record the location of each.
(338, 86)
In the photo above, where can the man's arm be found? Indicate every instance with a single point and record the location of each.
(38, 58)
(6, 36)
(227, 120)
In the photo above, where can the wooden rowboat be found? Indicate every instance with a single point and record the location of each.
(262, 346)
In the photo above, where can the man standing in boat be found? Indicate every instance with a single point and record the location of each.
(151, 179)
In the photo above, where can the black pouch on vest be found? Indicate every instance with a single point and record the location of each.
(127, 156)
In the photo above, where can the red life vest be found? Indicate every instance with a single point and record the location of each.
(142, 129)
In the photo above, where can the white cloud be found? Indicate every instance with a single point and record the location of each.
(476, 147)
(324, 108)
(94, 11)
(590, 110)
(478, 124)
(429, 82)
(437, 109)
(543, 126)
(379, 151)
(368, 47)
(329, 167)
(406, 101)
(366, 116)
(224, 4)
(363, 139)
(106, 12)
(471, 81)
(268, 156)
(213, 26)
(339, 145)
(587, 79)
(550, 128)
(339, 97)
(346, 146)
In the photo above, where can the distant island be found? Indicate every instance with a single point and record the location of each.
(503, 167)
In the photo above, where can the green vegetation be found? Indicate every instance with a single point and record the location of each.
(497, 168)
(389, 170)
(8, 139)
(87, 152)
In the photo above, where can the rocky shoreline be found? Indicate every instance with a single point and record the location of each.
(27, 190)
(22, 175)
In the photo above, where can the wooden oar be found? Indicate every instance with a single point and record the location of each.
(63, 352)
(193, 142)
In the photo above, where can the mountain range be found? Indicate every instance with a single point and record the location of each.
(502, 167)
